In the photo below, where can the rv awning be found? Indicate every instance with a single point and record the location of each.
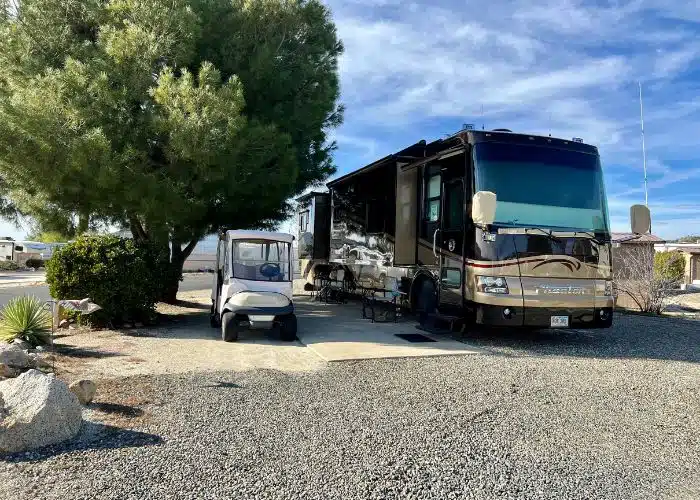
(441, 154)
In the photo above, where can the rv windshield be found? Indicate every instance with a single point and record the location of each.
(543, 186)
(260, 260)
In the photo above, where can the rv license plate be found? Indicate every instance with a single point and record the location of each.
(559, 321)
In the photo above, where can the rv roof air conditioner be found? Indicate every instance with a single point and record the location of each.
(502, 130)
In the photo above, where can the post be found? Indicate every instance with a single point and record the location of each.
(644, 152)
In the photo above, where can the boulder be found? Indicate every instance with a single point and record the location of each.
(13, 355)
(84, 390)
(8, 371)
(64, 323)
(39, 410)
(38, 361)
(22, 344)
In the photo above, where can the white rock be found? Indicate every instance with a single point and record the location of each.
(64, 323)
(84, 390)
(22, 344)
(13, 355)
(39, 410)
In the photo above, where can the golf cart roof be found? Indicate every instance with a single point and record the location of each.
(243, 234)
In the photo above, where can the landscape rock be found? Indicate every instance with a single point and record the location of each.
(84, 390)
(12, 355)
(8, 371)
(64, 323)
(38, 361)
(22, 344)
(39, 410)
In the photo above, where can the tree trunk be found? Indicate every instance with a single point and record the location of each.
(178, 256)
(83, 223)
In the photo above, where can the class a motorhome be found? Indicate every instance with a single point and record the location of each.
(20, 252)
(493, 227)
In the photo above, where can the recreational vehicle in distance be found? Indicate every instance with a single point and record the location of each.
(20, 252)
(492, 227)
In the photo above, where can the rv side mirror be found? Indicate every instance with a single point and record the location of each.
(484, 208)
(640, 219)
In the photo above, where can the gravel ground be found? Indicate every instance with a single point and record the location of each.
(568, 415)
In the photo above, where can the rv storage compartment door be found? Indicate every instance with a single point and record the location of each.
(406, 216)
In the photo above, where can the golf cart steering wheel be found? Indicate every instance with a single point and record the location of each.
(270, 270)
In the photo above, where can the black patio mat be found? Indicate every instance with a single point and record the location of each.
(414, 337)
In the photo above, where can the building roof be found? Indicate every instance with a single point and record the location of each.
(631, 238)
(693, 248)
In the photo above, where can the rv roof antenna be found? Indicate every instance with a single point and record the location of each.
(550, 124)
(482, 117)
(644, 151)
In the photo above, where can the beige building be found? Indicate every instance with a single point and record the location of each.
(626, 244)
(691, 252)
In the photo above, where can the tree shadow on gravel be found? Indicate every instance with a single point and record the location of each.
(92, 436)
(80, 352)
(117, 409)
(631, 336)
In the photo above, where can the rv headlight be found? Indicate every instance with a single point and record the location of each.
(491, 284)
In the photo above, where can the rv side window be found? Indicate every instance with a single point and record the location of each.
(432, 198)
(304, 221)
(19, 248)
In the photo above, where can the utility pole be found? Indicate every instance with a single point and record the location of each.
(644, 151)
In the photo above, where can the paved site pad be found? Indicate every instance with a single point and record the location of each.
(337, 332)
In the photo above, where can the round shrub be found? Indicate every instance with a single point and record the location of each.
(123, 278)
(8, 265)
(669, 266)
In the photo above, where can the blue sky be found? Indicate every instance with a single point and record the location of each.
(420, 70)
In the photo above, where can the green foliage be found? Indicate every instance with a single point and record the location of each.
(171, 117)
(688, 239)
(25, 317)
(35, 263)
(8, 265)
(669, 266)
(119, 275)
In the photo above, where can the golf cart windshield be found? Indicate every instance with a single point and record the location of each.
(261, 260)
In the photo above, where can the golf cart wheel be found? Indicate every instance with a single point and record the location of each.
(229, 327)
(288, 328)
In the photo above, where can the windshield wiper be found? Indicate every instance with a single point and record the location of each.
(548, 234)
(589, 235)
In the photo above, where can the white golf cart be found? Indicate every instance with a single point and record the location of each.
(252, 288)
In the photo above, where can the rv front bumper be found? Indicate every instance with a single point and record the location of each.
(541, 317)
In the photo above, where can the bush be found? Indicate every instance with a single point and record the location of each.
(35, 263)
(669, 266)
(123, 278)
(25, 317)
(8, 265)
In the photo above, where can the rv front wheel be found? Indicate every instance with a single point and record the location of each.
(229, 327)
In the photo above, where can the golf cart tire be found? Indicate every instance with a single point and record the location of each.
(288, 327)
(229, 327)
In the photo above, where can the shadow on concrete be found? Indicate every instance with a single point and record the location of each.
(92, 436)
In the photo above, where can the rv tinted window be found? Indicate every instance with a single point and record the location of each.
(454, 205)
(19, 248)
(543, 186)
(432, 198)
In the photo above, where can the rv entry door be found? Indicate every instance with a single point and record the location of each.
(450, 240)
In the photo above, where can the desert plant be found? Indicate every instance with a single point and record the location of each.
(124, 278)
(669, 266)
(8, 265)
(647, 280)
(25, 318)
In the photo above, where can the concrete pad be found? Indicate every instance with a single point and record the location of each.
(337, 332)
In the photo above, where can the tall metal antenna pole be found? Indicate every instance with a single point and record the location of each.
(644, 151)
(482, 117)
